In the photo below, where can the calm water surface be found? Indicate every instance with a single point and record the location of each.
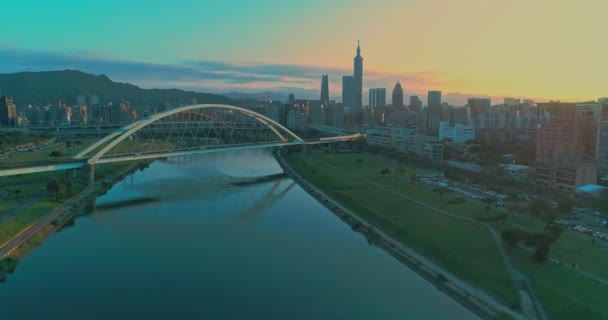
(179, 241)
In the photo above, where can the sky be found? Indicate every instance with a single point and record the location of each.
(540, 49)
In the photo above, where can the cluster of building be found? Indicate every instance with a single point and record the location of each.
(571, 138)
(81, 113)
(8, 112)
(84, 111)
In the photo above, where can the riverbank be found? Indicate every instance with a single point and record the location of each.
(34, 235)
(476, 300)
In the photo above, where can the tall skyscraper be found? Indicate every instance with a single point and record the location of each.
(479, 106)
(358, 79)
(348, 93)
(8, 112)
(397, 96)
(434, 100)
(415, 104)
(377, 98)
(433, 112)
(292, 98)
(324, 89)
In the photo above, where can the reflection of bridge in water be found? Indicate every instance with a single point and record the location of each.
(249, 209)
(267, 200)
(196, 129)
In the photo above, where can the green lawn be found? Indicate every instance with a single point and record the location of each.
(554, 283)
(463, 247)
(566, 295)
(42, 154)
(591, 257)
(12, 225)
(10, 199)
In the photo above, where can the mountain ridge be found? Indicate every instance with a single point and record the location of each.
(50, 87)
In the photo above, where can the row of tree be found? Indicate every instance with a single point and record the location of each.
(59, 187)
(541, 241)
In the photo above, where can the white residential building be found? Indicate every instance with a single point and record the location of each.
(458, 133)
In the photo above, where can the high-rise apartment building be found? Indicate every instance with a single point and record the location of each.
(457, 116)
(324, 89)
(348, 94)
(509, 102)
(377, 98)
(397, 101)
(433, 112)
(434, 99)
(566, 147)
(602, 142)
(415, 104)
(8, 112)
(479, 106)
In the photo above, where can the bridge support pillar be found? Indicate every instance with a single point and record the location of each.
(91, 174)
(305, 149)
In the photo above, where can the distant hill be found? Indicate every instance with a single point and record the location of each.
(260, 96)
(49, 87)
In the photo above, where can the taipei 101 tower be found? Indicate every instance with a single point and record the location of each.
(358, 80)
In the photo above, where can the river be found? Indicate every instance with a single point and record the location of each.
(179, 241)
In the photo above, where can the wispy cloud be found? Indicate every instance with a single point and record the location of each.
(204, 75)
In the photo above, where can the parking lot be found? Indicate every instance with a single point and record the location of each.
(468, 190)
(51, 143)
(480, 193)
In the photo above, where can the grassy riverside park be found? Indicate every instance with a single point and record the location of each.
(462, 247)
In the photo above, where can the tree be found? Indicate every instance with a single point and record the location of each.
(385, 171)
(58, 187)
(565, 205)
(54, 187)
(512, 236)
(56, 154)
(412, 178)
(555, 231)
(541, 253)
(358, 161)
(538, 206)
(17, 192)
(549, 218)
(68, 144)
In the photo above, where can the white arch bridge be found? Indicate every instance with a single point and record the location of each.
(195, 129)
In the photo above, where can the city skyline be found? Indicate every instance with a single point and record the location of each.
(204, 52)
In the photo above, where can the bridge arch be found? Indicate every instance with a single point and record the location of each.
(111, 141)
